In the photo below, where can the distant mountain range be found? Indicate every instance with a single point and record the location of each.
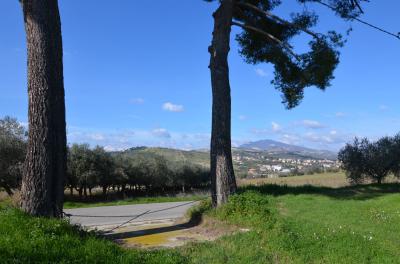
(279, 148)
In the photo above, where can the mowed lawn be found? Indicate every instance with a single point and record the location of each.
(283, 224)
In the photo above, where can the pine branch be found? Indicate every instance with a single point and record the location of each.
(269, 14)
(355, 3)
(269, 36)
(361, 21)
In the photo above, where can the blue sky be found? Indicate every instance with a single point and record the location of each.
(136, 73)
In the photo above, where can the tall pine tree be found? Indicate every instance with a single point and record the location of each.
(45, 165)
(265, 39)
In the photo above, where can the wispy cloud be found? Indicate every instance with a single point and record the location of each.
(168, 106)
(137, 101)
(312, 124)
(124, 139)
(261, 72)
(308, 133)
(242, 117)
(383, 107)
(276, 127)
(161, 132)
(340, 114)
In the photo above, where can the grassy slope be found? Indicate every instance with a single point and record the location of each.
(310, 225)
(173, 155)
(33, 240)
(288, 225)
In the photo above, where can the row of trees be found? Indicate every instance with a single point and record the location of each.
(90, 168)
(365, 160)
(264, 39)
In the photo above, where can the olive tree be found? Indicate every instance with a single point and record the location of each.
(12, 153)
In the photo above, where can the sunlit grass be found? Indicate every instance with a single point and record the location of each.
(308, 225)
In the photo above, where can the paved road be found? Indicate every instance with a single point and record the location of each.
(114, 215)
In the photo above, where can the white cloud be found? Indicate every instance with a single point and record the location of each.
(290, 139)
(257, 131)
(242, 117)
(161, 132)
(137, 101)
(261, 72)
(123, 139)
(96, 136)
(311, 124)
(168, 106)
(383, 107)
(276, 127)
(340, 114)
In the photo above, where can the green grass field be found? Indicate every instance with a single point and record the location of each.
(309, 225)
(288, 224)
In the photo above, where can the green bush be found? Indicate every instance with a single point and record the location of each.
(248, 208)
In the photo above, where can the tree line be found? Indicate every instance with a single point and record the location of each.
(151, 174)
(371, 160)
(89, 168)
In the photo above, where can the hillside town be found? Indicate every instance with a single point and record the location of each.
(264, 166)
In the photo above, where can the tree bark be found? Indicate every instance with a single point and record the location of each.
(223, 181)
(45, 164)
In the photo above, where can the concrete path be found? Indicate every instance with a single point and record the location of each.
(115, 215)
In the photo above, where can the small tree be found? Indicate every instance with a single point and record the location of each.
(379, 159)
(395, 150)
(12, 153)
(352, 159)
(368, 160)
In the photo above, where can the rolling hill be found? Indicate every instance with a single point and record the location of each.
(276, 148)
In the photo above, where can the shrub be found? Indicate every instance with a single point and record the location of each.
(248, 208)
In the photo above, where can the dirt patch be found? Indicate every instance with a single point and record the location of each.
(3, 196)
(172, 234)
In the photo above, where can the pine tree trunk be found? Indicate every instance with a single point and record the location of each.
(45, 165)
(223, 181)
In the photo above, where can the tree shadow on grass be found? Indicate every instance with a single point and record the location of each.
(357, 192)
(195, 220)
(196, 217)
